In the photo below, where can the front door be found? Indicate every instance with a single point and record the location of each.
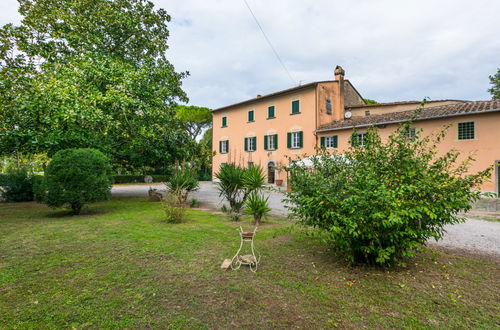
(270, 172)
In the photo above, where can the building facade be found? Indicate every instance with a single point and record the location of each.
(271, 130)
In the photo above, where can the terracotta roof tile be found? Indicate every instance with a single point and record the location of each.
(441, 111)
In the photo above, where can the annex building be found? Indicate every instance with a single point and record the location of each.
(270, 129)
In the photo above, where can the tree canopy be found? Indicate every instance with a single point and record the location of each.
(194, 119)
(87, 73)
(495, 88)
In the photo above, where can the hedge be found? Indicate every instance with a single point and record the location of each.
(138, 178)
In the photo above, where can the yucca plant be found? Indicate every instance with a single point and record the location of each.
(237, 183)
(181, 183)
(257, 205)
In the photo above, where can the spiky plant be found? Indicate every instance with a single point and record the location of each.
(258, 206)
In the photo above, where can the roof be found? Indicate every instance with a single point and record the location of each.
(400, 103)
(441, 111)
(285, 91)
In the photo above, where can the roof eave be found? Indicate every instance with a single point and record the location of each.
(405, 120)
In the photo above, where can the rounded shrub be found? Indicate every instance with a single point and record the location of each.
(76, 177)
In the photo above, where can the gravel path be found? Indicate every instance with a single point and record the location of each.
(474, 235)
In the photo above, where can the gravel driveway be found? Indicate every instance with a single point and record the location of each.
(473, 235)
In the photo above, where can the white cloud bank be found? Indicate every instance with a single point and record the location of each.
(391, 50)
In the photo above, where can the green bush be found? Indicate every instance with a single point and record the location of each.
(138, 178)
(17, 185)
(181, 183)
(75, 177)
(174, 211)
(237, 183)
(381, 201)
(257, 205)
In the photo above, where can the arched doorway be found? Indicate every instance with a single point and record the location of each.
(270, 172)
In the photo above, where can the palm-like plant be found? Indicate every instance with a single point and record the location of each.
(237, 183)
(181, 183)
(257, 205)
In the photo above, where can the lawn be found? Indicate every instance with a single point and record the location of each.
(119, 266)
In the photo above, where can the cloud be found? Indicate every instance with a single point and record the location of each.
(391, 50)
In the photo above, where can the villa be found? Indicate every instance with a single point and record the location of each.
(270, 129)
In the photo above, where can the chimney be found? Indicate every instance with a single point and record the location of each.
(339, 110)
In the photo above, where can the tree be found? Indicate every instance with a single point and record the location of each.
(381, 201)
(86, 73)
(495, 89)
(76, 177)
(368, 101)
(194, 119)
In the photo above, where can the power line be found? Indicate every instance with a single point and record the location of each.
(269, 42)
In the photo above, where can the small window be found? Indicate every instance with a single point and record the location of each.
(329, 141)
(295, 107)
(359, 139)
(250, 116)
(223, 147)
(295, 140)
(250, 143)
(466, 131)
(411, 133)
(328, 106)
(224, 121)
(367, 113)
(270, 112)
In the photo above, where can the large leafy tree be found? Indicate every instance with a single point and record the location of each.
(91, 73)
(495, 86)
(194, 119)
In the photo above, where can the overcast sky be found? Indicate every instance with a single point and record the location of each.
(391, 50)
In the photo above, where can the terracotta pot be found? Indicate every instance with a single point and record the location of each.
(278, 182)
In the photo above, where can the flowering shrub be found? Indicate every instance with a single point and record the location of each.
(380, 201)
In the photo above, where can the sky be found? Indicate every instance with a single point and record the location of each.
(391, 50)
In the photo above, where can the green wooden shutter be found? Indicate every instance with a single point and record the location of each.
(301, 139)
(289, 140)
(275, 141)
(322, 142)
(246, 144)
(224, 121)
(335, 141)
(270, 112)
(254, 143)
(227, 146)
(220, 146)
(296, 106)
(250, 115)
(266, 142)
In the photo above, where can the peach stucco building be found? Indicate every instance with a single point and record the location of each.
(269, 130)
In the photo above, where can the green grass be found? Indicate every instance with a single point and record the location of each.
(119, 266)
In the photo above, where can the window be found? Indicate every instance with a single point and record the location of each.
(270, 112)
(328, 106)
(295, 140)
(359, 139)
(411, 133)
(367, 113)
(250, 143)
(329, 141)
(271, 142)
(223, 147)
(466, 130)
(224, 121)
(250, 116)
(295, 107)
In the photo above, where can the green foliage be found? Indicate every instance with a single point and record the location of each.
(495, 86)
(174, 211)
(76, 177)
(194, 119)
(91, 74)
(17, 185)
(368, 101)
(138, 178)
(258, 206)
(237, 183)
(382, 201)
(181, 183)
(193, 203)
